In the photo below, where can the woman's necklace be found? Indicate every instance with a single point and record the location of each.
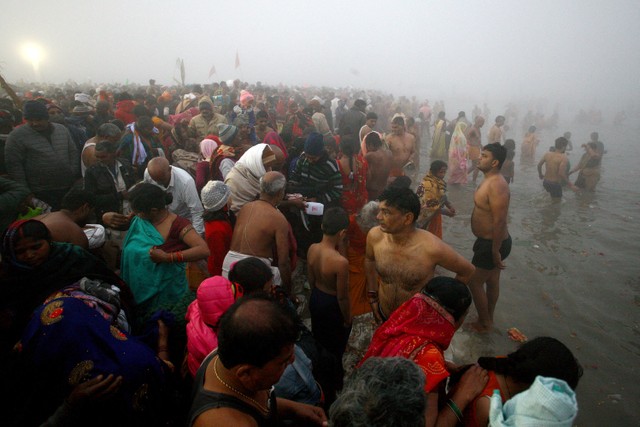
(264, 409)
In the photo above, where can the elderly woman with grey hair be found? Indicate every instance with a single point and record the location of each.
(382, 392)
(363, 323)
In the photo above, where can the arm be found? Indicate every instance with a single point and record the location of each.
(198, 249)
(306, 414)
(499, 206)
(452, 260)
(372, 275)
(542, 160)
(342, 288)
(470, 385)
(195, 207)
(334, 185)
(282, 247)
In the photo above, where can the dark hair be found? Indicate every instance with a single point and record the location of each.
(372, 116)
(544, 356)
(254, 330)
(262, 115)
(403, 199)
(402, 181)
(398, 120)
(498, 152)
(450, 293)
(76, 198)
(436, 166)
(510, 144)
(144, 121)
(251, 273)
(373, 140)
(334, 220)
(107, 146)
(118, 123)
(145, 197)
(140, 110)
(561, 143)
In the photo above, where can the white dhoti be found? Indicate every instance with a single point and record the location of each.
(233, 257)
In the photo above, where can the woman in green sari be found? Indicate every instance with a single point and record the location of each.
(154, 255)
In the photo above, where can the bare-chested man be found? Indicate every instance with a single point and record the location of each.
(495, 133)
(379, 160)
(555, 174)
(66, 224)
(400, 258)
(372, 120)
(403, 147)
(474, 144)
(489, 225)
(260, 228)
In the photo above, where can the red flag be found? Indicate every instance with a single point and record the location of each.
(212, 71)
(237, 60)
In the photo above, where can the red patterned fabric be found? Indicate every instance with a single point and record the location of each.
(419, 330)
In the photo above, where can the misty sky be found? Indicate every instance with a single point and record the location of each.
(586, 50)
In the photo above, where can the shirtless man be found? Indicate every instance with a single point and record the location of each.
(403, 147)
(372, 120)
(262, 126)
(495, 133)
(260, 228)
(474, 144)
(328, 272)
(379, 160)
(493, 243)
(66, 224)
(555, 174)
(400, 258)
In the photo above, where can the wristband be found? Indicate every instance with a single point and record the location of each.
(452, 405)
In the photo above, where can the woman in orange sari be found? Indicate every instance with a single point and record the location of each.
(421, 330)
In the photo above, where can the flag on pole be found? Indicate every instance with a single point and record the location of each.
(212, 71)
(237, 60)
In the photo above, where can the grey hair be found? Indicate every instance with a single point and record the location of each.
(274, 186)
(108, 130)
(366, 218)
(384, 391)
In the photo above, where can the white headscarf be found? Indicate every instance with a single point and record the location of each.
(244, 178)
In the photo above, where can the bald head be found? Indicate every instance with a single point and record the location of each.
(479, 121)
(160, 170)
(272, 184)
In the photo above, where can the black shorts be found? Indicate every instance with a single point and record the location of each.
(554, 188)
(482, 252)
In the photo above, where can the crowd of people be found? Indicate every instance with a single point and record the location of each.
(247, 255)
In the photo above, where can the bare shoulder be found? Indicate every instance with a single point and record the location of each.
(374, 235)
(497, 184)
(224, 417)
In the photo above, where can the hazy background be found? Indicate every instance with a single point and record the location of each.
(583, 51)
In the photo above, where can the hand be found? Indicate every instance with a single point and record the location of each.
(376, 312)
(497, 260)
(158, 255)
(96, 388)
(298, 203)
(115, 220)
(471, 384)
(309, 413)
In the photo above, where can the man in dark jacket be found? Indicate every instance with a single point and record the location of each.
(42, 156)
(353, 119)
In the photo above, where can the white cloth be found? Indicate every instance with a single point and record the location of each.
(548, 402)
(95, 235)
(225, 167)
(233, 257)
(186, 202)
(244, 178)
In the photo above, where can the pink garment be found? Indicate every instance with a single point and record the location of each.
(208, 146)
(245, 97)
(215, 295)
(186, 115)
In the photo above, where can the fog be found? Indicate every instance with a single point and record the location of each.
(579, 52)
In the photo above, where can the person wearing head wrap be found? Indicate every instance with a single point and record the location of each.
(226, 154)
(205, 123)
(245, 111)
(208, 148)
(42, 155)
(244, 177)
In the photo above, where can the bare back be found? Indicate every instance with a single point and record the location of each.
(258, 226)
(402, 148)
(491, 204)
(555, 166)
(324, 267)
(379, 167)
(63, 229)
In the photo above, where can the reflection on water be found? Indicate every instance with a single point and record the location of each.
(573, 273)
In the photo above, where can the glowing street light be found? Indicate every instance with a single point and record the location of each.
(33, 54)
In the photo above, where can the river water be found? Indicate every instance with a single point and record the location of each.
(573, 272)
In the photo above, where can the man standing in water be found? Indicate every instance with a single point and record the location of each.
(403, 147)
(474, 144)
(493, 243)
(555, 174)
(495, 133)
(401, 258)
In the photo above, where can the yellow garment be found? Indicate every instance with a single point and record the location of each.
(439, 146)
(200, 128)
(432, 193)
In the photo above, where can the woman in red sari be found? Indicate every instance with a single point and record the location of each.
(421, 330)
(353, 169)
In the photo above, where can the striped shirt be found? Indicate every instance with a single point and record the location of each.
(322, 175)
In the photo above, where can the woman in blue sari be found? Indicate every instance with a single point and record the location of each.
(154, 255)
